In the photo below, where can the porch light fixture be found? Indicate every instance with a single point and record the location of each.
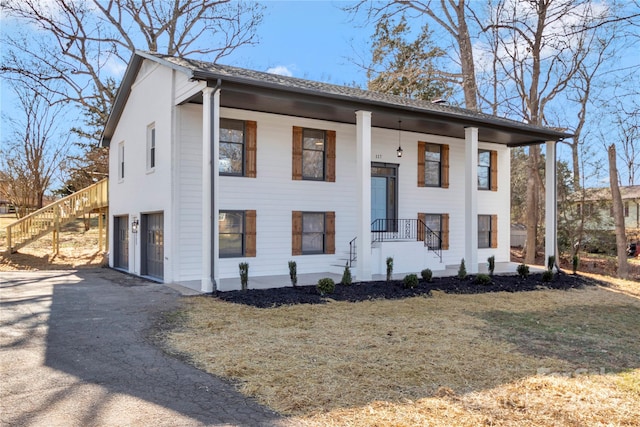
(134, 225)
(399, 150)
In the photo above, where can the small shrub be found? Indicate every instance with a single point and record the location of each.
(523, 270)
(389, 268)
(547, 276)
(575, 263)
(410, 281)
(244, 275)
(326, 286)
(551, 262)
(462, 271)
(346, 276)
(293, 273)
(427, 275)
(483, 279)
(492, 264)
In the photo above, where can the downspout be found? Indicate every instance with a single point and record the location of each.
(215, 220)
(555, 206)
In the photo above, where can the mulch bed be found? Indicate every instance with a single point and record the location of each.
(394, 289)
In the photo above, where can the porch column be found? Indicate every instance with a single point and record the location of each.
(471, 200)
(210, 155)
(550, 215)
(363, 172)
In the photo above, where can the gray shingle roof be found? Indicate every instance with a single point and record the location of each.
(510, 131)
(206, 71)
(593, 194)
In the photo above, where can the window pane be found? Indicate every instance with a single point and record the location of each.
(231, 130)
(432, 165)
(231, 226)
(231, 222)
(433, 222)
(484, 158)
(483, 177)
(313, 242)
(312, 222)
(432, 153)
(230, 158)
(483, 239)
(312, 232)
(484, 223)
(432, 173)
(313, 139)
(230, 245)
(484, 231)
(313, 164)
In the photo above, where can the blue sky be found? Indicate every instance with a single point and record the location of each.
(314, 40)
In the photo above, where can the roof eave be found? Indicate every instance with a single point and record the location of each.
(125, 89)
(545, 134)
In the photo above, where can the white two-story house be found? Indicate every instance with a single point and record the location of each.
(213, 165)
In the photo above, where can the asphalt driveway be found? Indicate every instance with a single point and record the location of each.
(74, 352)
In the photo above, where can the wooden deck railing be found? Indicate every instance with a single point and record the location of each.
(51, 217)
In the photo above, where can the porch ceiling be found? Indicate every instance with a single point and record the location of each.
(312, 106)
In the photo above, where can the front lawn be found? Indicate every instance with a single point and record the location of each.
(546, 357)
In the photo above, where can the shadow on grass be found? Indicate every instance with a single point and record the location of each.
(591, 336)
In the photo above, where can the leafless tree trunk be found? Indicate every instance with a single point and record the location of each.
(542, 56)
(618, 215)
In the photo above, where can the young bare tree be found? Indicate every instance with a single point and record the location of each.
(618, 215)
(627, 123)
(33, 152)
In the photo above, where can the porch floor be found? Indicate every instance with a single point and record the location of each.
(266, 282)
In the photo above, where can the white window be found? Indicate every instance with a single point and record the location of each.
(121, 161)
(151, 147)
(232, 142)
(484, 170)
(313, 154)
(313, 232)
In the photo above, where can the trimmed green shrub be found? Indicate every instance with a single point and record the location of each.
(492, 264)
(346, 276)
(547, 276)
(293, 273)
(389, 268)
(244, 275)
(482, 279)
(410, 281)
(551, 262)
(427, 275)
(575, 263)
(523, 270)
(462, 271)
(326, 286)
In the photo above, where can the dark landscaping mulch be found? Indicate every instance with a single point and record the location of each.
(394, 289)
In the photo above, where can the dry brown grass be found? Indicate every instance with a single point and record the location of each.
(445, 360)
(78, 249)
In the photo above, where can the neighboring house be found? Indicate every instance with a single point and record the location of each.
(214, 165)
(597, 205)
(5, 204)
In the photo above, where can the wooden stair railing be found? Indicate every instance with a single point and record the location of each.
(51, 217)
